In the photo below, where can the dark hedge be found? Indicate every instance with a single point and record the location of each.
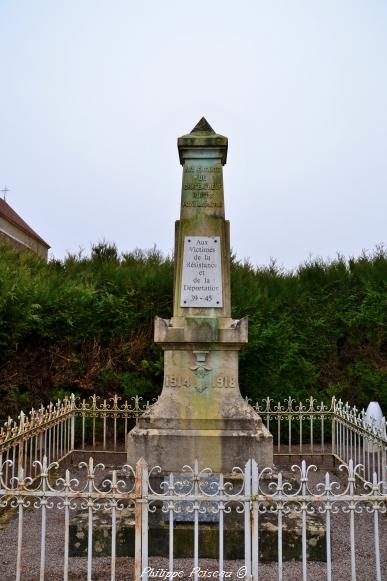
(85, 325)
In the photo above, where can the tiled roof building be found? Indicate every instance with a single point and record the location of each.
(16, 232)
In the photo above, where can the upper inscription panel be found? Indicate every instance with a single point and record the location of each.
(203, 186)
(201, 284)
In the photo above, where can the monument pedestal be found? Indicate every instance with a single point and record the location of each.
(201, 413)
(220, 450)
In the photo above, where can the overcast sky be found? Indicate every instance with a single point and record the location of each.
(94, 94)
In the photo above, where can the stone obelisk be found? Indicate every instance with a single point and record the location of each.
(200, 413)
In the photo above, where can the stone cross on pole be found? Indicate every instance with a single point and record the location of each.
(200, 413)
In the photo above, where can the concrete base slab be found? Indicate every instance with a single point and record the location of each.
(220, 450)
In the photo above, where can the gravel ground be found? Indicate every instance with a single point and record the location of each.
(365, 561)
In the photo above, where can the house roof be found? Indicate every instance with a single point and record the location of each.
(11, 216)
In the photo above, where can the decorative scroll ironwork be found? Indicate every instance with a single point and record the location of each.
(251, 492)
(298, 428)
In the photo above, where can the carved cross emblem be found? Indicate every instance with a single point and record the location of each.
(201, 370)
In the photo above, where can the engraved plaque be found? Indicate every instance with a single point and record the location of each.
(201, 284)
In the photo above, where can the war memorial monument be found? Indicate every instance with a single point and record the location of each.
(200, 413)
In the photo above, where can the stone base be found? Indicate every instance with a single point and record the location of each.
(220, 450)
(183, 537)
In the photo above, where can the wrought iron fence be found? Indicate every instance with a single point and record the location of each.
(109, 421)
(48, 431)
(300, 429)
(337, 430)
(358, 437)
(58, 429)
(250, 496)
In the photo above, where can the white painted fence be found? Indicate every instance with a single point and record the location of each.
(300, 430)
(252, 492)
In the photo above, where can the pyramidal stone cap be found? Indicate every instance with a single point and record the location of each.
(202, 127)
(202, 137)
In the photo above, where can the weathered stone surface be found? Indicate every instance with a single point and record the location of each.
(203, 136)
(201, 413)
(208, 536)
(183, 510)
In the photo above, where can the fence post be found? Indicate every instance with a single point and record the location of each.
(333, 408)
(247, 507)
(383, 476)
(72, 442)
(144, 524)
(20, 459)
(141, 521)
(255, 522)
